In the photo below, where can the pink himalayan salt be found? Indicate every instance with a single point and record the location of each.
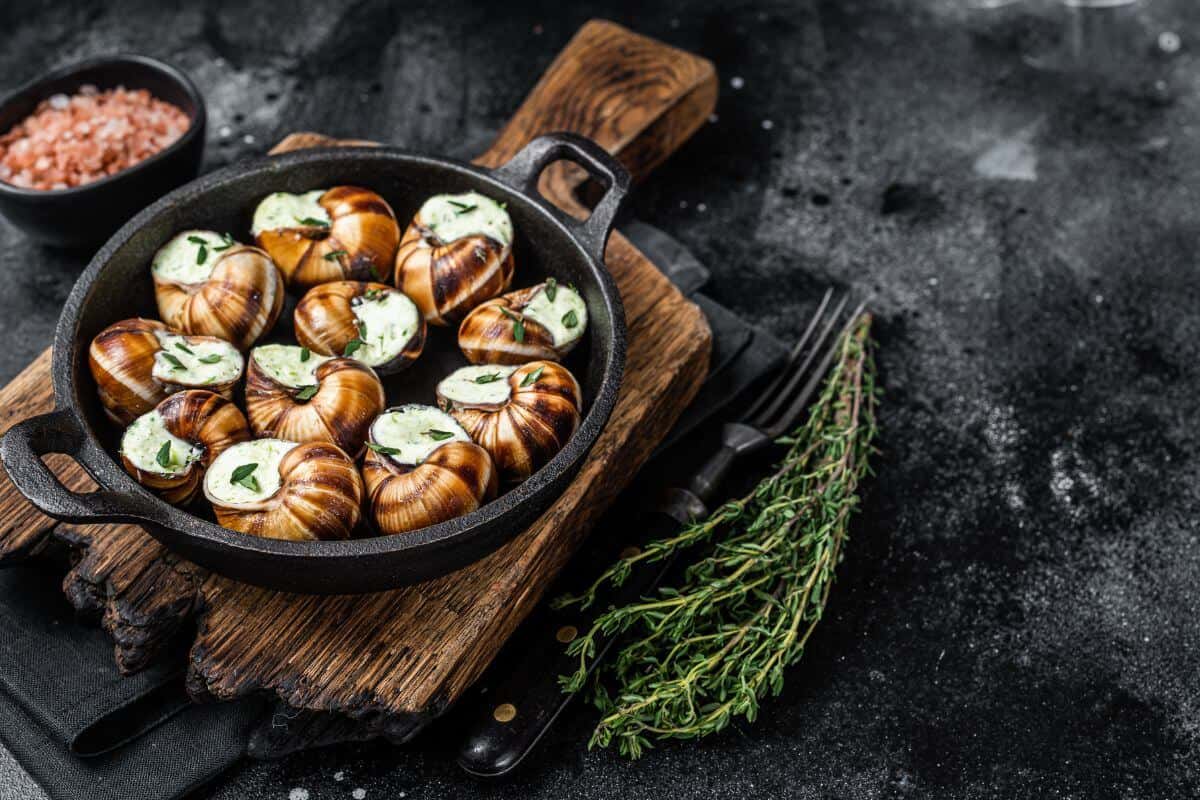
(70, 141)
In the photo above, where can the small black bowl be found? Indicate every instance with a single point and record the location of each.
(87, 215)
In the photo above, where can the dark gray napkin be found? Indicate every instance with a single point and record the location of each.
(84, 731)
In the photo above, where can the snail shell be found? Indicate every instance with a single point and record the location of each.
(524, 326)
(239, 302)
(455, 479)
(331, 316)
(447, 278)
(347, 398)
(123, 359)
(318, 496)
(205, 423)
(358, 243)
(523, 418)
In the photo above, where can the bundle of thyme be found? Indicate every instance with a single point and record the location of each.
(709, 649)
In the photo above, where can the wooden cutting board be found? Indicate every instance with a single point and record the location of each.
(385, 663)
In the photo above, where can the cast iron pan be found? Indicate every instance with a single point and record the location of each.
(117, 285)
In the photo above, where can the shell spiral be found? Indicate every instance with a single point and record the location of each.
(527, 430)
(325, 322)
(201, 418)
(456, 479)
(486, 335)
(447, 279)
(240, 302)
(348, 400)
(359, 244)
(320, 497)
(121, 359)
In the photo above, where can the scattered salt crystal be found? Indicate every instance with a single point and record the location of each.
(767, 124)
(339, 775)
(1169, 42)
(359, 794)
(713, 118)
(933, 281)
(683, 203)
(248, 138)
(737, 82)
(701, 207)
(59, 101)
(298, 794)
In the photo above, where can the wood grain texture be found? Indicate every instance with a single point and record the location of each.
(383, 664)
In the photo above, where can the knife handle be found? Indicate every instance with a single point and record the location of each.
(509, 720)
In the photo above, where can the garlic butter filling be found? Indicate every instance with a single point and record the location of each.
(288, 364)
(454, 216)
(560, 310)
(285, 210)
(150, 447)
(248, 472)
(484, 385)
(189, 256)
(199, 362)
(410, 434)
(386, 322)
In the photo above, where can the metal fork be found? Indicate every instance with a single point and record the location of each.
(495, 744)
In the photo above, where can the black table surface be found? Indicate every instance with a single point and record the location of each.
(1017, 614)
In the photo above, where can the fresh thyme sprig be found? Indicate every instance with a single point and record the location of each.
(711, 647)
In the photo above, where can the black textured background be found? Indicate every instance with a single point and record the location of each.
(1017, 614)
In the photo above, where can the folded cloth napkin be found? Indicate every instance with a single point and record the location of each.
(86, 733)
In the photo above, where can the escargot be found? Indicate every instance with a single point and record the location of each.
(168, 448)
(285, 490)
(138, 362)
(521, 415)
(346, 232)
(372, 322)
(211, 285)
(456, 253)
(421, 468)
(545, 322)
(295, 394)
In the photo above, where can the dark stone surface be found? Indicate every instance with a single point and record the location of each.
(1017, 614)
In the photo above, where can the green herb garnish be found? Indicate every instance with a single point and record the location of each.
(184, 348)
(307, 392)
(227, 242)
(244, 476)
(439, 436)
(490, 377)
(384, 449)
(463, 208)
(335, 254)
(173, 361)
(312, 222)
(518, 328)
(352, 347)
(211, 359)
(551, 289)
(569, 319)
(164, 455)
(712, 646)
(202, 254)
(305, 353)
(373, 294)
(531, 378)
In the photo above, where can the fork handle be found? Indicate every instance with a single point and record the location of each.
(737, 440)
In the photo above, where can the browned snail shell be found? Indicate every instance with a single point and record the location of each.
(411, 485)
(138, 362)
(449, 265)
(286, 490)
(334, 401)
(522, 416)
(543, 322)
(238, 300)
(371, 322)
(355, 238)
(169, 448)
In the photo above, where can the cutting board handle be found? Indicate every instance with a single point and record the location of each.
(637, 98)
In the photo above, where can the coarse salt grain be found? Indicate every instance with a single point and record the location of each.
(73, 140)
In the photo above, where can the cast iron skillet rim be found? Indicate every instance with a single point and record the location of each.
(196, 119)
(109, 475)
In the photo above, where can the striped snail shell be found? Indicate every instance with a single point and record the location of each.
(521, 415)
(336, 405)
(543, 322)
(409, 489)
(300, 492)
(449, 265)
(239, 301)
(332, 319)
(138, 362)
(355, 240)
(169, 448)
